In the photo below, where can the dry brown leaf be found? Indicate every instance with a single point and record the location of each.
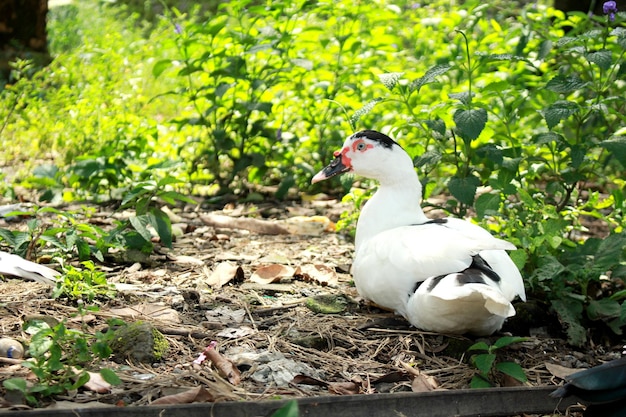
(271, 273)
(225, 367)
(321, 274)
(560, 371)
(308, 380)
(157, 311)
(344, 388)
(194, 395)
(421, 382)
(424, 383)
(223, 273)
(266, 227)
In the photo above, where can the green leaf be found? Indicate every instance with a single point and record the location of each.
(160, 67)
(478, 381)
(15, 384)
(139, 223)
(484, 362)
(604, 308)
(548, 269)
(110, 376)
(512, 369)
(602, 58)
(479, 346)
(429, 76)
(367, 107)
(558, 111)
(569, 312)
(390, 79)
(565, 84)
(428, 158)
(617, 147)
(161, 223)
(464, 189)
(487, 204)
(290, 409)
(507, 340)
(470, 123)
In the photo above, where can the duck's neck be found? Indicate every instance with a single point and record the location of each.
(395, 204)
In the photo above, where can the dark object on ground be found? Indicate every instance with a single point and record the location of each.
(603, 386)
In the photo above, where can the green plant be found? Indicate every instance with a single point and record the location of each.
(487, 365)
(290, 409)
(60, 356)
(83, 284)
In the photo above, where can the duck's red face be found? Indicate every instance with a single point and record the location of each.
(343, 159)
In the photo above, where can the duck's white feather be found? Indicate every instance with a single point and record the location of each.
(448, 275)
(19, 267)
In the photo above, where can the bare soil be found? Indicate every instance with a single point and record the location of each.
(270, 331)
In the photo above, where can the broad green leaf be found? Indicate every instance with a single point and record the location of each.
(479, 381)
(470, 123)
(429, 76)
(487, 204)
(139, 223)
(604, 308)
(565, 84)
(548, 269)
(83, 378)
(570, 314)
(479, 346)
(483, 362)
(602, 58)
(519, 258)
(617, 147)
(367, 107)
(512, 369)
(15, 384)
(558, 111)
(428, 158)
(390, 79)
(508, 340)
(160, 67)
(464, 189)
(7, 236)
(290, 409)
(161, 223)
(110, 376)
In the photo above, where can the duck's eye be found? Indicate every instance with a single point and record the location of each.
(361, 146)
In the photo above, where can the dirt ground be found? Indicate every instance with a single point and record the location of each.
(274, 332)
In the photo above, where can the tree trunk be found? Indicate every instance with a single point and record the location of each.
(22, 32)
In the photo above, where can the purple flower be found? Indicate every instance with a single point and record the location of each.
(610, 8)
(179, 29)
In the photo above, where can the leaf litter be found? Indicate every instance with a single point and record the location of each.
(262, 339)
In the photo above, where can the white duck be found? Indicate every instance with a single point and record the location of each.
(444, 275)
(17, 266)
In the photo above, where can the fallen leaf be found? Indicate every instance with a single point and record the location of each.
(225, 367)
(308, 380)
(226, 315)
(424, 383)
(96, 383)
(560, 371)
(309, 225)
(194, 395)
(271, 273)
(421, 382)
(344, 388)
(318, 273)
(155, 311)
(223, 273)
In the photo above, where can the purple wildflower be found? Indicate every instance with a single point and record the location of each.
(610, 8)
(179, 29)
